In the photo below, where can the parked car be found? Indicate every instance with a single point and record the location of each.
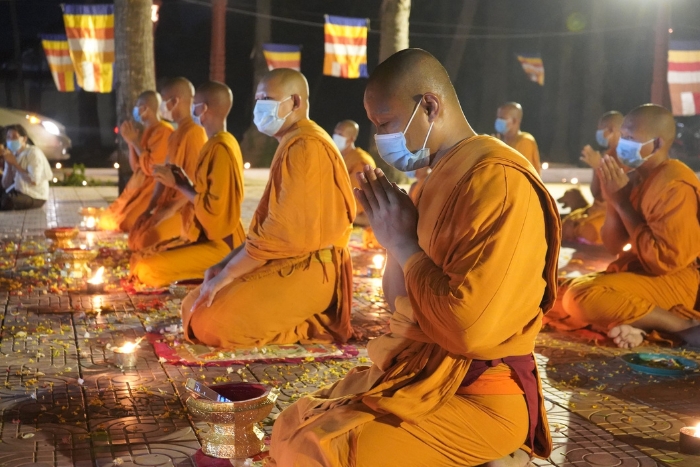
(686, 147)
(44, 133)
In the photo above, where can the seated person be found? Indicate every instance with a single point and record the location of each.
(292, 278)
(145, 151)
(26, 173)
(653, 208)
(211, 220)
(508, 120)
(421, 177)
(471, 269)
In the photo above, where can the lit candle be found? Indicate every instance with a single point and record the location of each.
(90, 239)
(627, 247)
(377, 265)
(690, 440)
(90, 222)
(126, 354)
(96, 284)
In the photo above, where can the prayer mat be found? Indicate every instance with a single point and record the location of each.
(173, 351)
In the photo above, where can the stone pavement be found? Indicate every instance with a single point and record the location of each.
(63, 401)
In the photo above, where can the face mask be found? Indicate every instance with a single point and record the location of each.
(137, 116)
(14, 145)
(265, 116)
(392, 148)
(629, 152)
(340, 141)
(197, 119)
(166, 113)
(501, 126)
(601, 139)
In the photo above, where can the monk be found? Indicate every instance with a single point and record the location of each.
(144, 152)
(161, 219)
(421, 177)
(292, 278)
(355, 158)
(211, 220)
(508, 120)
(654, 209)
(583, 225)
(471, 269)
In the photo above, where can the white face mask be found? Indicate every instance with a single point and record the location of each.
(392, 148)
(266, 118)
(166, 113)
(340, 141)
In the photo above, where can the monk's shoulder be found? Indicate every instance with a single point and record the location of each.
(309, 141)
(163, 128)
(672, 175)
(365, 157)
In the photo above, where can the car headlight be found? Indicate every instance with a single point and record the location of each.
(33, 119)
(51, 127)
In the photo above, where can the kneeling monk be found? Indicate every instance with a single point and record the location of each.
(653, 284)
(150, 150)
(161, 220)
(211, 220)
(292, 278)
(472, 268)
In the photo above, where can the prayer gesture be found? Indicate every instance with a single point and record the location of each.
(390, 212)
(591, 157)
(613, 180)
(129, 132)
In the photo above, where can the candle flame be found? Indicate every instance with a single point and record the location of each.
(627, 247)
(378, 261)
(129, 347)
(90, 222)
(97, 278)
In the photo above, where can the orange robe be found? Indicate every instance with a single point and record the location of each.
(300, 230)
(356, 160)
(584, 225)
(489, 232)
(132, 202)
(661, 269)
(184, 146)
(211, 225)
(526, 145)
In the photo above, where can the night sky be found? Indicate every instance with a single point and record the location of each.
(552, 113)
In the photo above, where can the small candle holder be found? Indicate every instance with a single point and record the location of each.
(124, 359)
(376, 270)
(95, 288)
(690, 440)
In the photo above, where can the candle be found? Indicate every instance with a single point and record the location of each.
(377, 266)
(126, 354)
(690, 440)
(90, 239)
(96, 284)
(90, 222)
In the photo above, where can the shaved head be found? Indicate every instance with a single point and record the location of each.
(511, 109)
(651, 121)
(150, 99)
(287, 81)
(611, 119)
(348, 128)
(178, 87)
(217, 97)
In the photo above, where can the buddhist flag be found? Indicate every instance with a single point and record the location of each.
(60, 64)
(684, 77)
(346, 47)
(282, 56)
(533, 66)
(90, 31)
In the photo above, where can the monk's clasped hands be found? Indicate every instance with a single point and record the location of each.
(614, 181)
(391, 213)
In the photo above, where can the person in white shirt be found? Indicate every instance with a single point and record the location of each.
(26, 175)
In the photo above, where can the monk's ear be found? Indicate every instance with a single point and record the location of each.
(296, 99)
(432, 106)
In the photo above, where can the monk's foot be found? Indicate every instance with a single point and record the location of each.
(518, 459)
(691, 336)
(626, 336)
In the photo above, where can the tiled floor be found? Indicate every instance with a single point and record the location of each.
(63, 402)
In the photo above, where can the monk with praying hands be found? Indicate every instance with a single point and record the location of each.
(292, 278)
(211, 219)
(652, 225)
(471, 270)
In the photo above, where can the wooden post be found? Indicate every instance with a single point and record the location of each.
(217, 61)
(135, 71)
(18, 54)
(659, 84)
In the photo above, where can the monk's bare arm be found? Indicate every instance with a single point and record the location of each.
(133, 159)
(240, 264)
(393, 282)
(596, 190)
(613, 233)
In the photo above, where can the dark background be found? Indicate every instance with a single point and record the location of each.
(489, 75)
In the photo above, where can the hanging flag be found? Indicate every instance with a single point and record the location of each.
(90, 31)
(60, 64)
(684, 77)
(533, 67)
(282, 56)
(346, 47)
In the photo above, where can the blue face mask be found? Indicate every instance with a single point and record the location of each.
(630, 152)
(601, 139)
(137, 116)
(14, 145)
(197, 118)
(392, 148)
(501, 126)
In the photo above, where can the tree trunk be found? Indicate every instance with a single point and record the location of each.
(593, 83)
(257, 148)
(135, 71)
(217, 63)
(18, 55)
(455, 54)
(659, 85)
(558, 150)
(392, 38)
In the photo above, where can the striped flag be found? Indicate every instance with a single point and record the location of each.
(60, 64)
(533, 67)
(684, 77)
(90, 31)
(282, 56)
(346, 47)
